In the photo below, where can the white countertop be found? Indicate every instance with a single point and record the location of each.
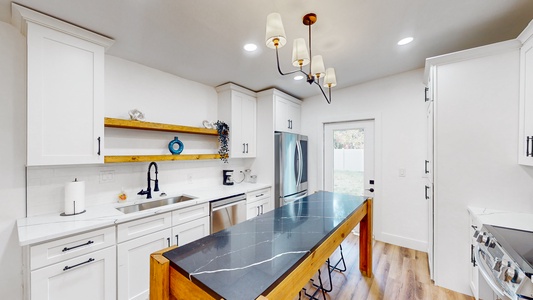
(516, 220)
(41, 228)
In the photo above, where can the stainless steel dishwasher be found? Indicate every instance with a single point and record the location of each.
(226, 212)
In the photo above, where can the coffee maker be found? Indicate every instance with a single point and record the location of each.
(227, 177)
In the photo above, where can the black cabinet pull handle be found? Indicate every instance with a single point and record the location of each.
(528, 142)
(426, 98)
(258, 211)
(246, 147)
(177, 239)
(472, 257)
(243, 148)
(168, 242)
(262, 209)
(259, 195)
(426, 192)
(289, 124)
(86, 244)
(85, 262)
(98, 146)
(426, 162)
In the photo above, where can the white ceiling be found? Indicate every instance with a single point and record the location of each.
(202, 40)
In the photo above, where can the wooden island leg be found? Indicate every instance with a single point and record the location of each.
(160, 275)
(365, 241)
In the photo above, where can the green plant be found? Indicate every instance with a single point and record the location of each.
(223, 138)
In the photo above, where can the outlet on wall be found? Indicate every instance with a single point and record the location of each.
(401, 172)
(107, 176)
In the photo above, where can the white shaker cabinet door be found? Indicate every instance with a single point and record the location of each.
(65, 98)
(525, 135)
(133, 261)
(190, 231)
(287, 115)
(87, 277)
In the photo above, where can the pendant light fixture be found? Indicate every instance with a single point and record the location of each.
(275, 38)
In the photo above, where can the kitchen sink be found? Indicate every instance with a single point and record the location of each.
(153, 204)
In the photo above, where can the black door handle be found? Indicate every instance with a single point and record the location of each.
(86, 244)
(529, 153)
(85, 262)
(98, 146)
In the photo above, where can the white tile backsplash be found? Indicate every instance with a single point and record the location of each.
(45, 185)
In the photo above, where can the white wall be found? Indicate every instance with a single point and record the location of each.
(476, 155)
(163, 98)
(12, 172)
(397, 102)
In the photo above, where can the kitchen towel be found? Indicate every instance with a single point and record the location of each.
(74, 197)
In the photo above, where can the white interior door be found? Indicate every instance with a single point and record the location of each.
(349, 157)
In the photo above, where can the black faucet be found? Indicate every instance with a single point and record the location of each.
(148, 191)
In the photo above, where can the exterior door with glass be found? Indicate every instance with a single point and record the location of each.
(349, 157)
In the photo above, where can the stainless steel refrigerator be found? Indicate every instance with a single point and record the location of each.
(291, 167)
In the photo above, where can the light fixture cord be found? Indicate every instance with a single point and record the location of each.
(310, 54)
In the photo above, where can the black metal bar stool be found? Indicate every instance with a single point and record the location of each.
(320, 287)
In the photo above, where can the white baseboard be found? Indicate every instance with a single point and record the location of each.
(404, 242)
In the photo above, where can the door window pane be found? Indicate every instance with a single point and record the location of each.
(349, 161)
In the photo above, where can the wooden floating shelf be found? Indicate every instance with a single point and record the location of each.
(164, 157)
(131, 124)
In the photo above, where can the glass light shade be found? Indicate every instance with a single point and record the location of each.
(330, 80)
(299, 53)
(275, 30)
(317, 66)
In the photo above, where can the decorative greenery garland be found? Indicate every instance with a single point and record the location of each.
(223, 138)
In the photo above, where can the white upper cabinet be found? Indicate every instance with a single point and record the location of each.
(287, 113)
(237, 107)
(525, 136)
(65, 90)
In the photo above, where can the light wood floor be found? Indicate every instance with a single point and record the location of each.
(399, 273)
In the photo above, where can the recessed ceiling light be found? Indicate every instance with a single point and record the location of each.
(298, 77)
(250, 47)
(405, 41)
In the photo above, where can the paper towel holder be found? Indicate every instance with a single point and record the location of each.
(74, 207)
(66, 215)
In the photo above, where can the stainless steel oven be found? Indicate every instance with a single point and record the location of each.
(505, 260)
(228, 211)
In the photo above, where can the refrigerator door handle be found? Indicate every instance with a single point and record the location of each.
(294, 197)
(300, 162)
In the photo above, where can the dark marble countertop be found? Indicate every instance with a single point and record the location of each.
(244, 261)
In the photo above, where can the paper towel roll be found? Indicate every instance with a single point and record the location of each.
(74, 197)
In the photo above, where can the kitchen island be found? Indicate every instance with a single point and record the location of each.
(271, 256)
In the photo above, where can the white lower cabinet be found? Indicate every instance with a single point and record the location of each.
(257, 208)
(133, 264)
(258, 202)
(109, 263)
(90, 276)
(473, 269)
(190, 231)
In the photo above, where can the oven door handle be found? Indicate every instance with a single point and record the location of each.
(482, 265)
(229, 205)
